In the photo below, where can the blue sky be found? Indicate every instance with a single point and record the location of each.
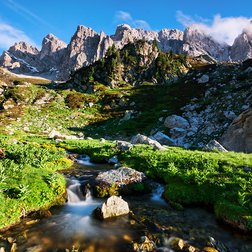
(31, 20)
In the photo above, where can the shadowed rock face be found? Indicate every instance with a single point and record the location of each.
(238, 137)
(242, 47)
(57, 60)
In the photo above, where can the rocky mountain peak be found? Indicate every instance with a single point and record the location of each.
(23, 47)
(50, 45)
(83, 31)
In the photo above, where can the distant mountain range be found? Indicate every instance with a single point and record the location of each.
(56, 59)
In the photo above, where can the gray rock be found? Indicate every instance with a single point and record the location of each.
(113, 207)
(121, 177)
(175, 121)
(123, 145)
(178, 132)
(203, 79)
(163, 139)
(141, 139)
(214, 145)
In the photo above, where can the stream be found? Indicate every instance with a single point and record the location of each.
(71, 227)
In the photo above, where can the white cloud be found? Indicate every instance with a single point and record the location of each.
(223, 29)
(125, 17)
(9, 35)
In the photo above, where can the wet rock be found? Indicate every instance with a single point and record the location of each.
(113, 207)
(175, 121)
(177, 244)
(13, 247)
(216, 245)
(123, 180)
(123, 145)
(163, 139)
(145, 245)
(2, 249)
(11, 240)
(214, 145)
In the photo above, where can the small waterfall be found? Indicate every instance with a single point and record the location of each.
(74, 192)
(84, 160)
(157, 193)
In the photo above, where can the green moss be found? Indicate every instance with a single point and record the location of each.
(28, 181)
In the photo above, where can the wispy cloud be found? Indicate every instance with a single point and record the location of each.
(10, 35)
(125, 17)
(223, 29)
(25, 12)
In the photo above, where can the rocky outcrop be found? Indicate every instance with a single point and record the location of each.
(113, 207)
(238, 136)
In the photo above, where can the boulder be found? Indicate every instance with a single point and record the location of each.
(214, 145)
(123, 145)
(57, 135)
(163, 139)
(175, 121)
(238, 136)
(113, 207)
(123, 180)
(142, 139)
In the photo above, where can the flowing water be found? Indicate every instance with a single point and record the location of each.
(72, 225)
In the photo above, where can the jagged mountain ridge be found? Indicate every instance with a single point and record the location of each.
(56, 59)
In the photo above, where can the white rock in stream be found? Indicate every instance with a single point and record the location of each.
(114, 206)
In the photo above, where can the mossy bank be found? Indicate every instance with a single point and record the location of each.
(28, 178)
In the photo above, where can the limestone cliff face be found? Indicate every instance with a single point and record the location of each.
(57, 60)
(238, 137)
(242, 47)
(86, 47)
